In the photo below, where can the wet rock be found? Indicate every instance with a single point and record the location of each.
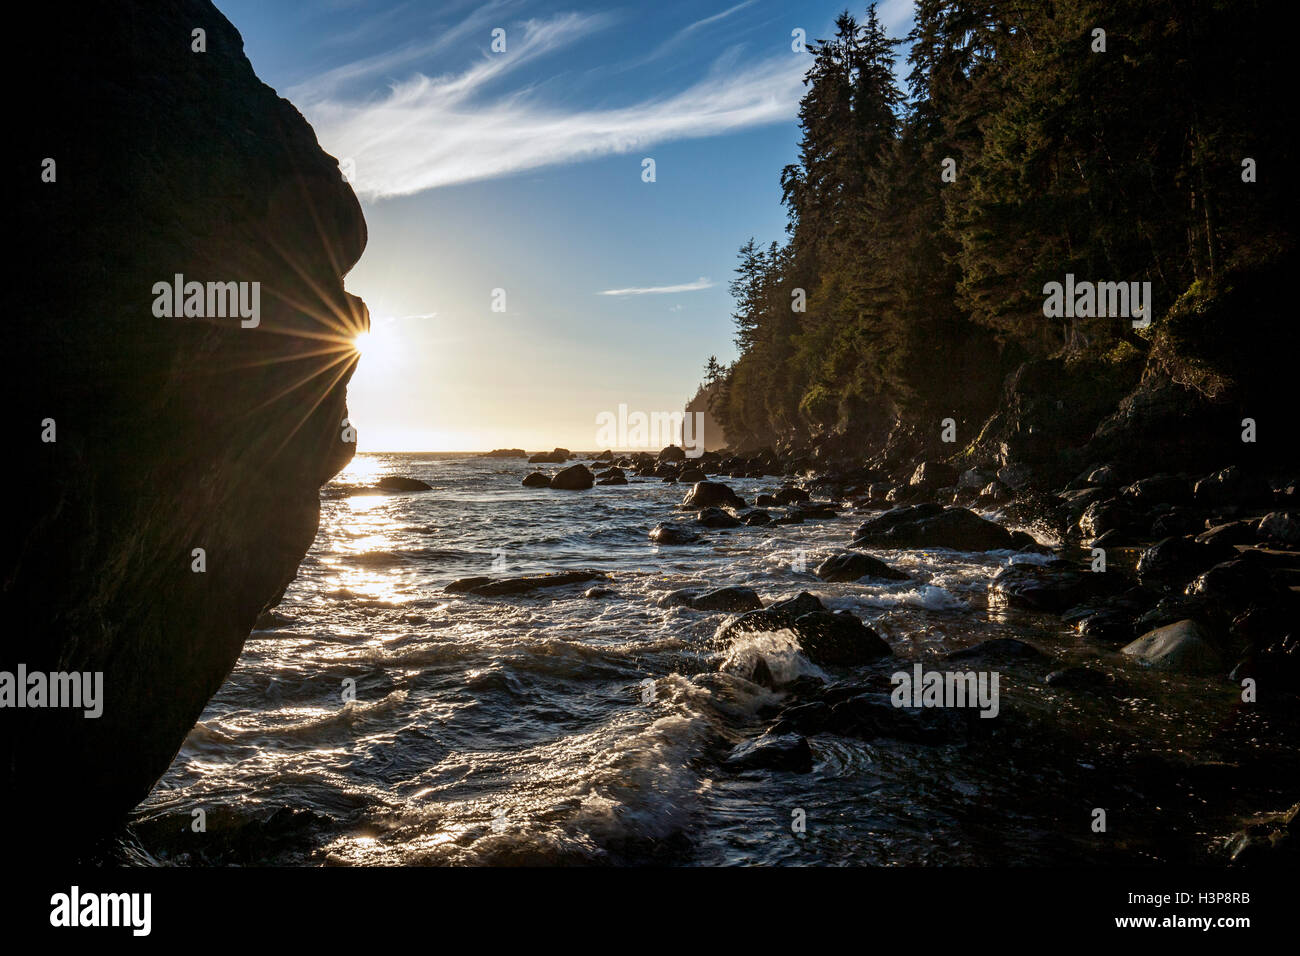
(932, 526)
(853, 565)
(537, 480)
(873, 715)
(709, 494)
(534, 582)
(1026, 542)
(1179, 559)
(806, 718)
(788, 752)
(1170, 610)
(668, 532)
(401, 483)
(1175, 524)
(1101, 517)
(1051, 587)
(573, 478)
(692, 474)
(461, 585)
(1184, 646)
(1106, 625)
(765, 501)
(1252, 846)
(727, 599)
(995, 492)
(614, 480)
(790, 494)
(816, 510)
(804, 686)
(592, 594)
(1282, 527)
(790, 517)
(1158, 489)
(1230, 533)
(838, 639)
(1017, 475)
(1103, 477)
(802, 603)
(756, 518)
(1276, 667)
(672, 453)
(717, 518)
(1077, 500)
(1114, 538)
(1232, 485)
(1233, 585)
(775, 617)
(973, 479)
(932, 475)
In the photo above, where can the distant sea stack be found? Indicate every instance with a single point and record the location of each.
(164, 471)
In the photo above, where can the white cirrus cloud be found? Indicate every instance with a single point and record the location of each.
(700, 283)
(427, 132)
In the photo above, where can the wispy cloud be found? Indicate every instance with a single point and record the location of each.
(427, 132)
(717, 16)
(700, 283)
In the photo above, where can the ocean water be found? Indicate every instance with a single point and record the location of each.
(520, 730)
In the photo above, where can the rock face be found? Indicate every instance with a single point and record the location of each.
(171, 434)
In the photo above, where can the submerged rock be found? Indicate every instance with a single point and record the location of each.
(461, 585)
(773, 752)
(534, 582)
(400, 483)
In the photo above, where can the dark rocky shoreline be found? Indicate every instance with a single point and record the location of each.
(1192, 574)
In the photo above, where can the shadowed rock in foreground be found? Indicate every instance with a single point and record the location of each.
(171, 434)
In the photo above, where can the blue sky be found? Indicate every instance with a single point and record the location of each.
(522, 170)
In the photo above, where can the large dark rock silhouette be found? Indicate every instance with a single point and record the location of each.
(171, 434)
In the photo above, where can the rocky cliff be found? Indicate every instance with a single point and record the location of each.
(164, 469)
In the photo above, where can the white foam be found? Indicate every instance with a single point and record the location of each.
(779, 650)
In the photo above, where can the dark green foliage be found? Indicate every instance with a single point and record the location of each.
(1115, 165)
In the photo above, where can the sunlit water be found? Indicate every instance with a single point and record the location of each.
(516, 730)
